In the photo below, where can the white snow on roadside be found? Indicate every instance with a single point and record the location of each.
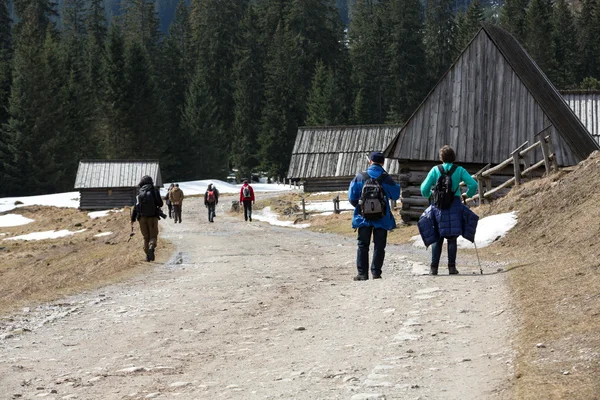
(68, 199)
(326, 205)
(99, 214)
(45, 235)
(103, 234)
(489, 229)
(14, 220)
(199, 187)
(3, 234)
(266, 215)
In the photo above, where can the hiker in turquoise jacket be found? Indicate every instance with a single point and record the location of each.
(452, 222)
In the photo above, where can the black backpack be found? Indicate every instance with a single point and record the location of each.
(372, 197)
(443, 195)
(147, 202)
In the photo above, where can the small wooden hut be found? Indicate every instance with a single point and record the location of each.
(105, 184)
(327, 158)
(492, 100)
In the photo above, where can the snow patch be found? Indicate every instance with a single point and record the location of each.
(103, 234)
(489, 229)
(9, 220)
(99, 214)
(46, 235)
(68, 199)
(269, 216)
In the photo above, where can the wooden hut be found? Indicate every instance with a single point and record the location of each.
(327, 158)
(586, 105)
(493, 99)
(105, 184)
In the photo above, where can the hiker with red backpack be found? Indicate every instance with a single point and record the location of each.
(370, 193)
(211, 199)
(447, 217)
(247, 199)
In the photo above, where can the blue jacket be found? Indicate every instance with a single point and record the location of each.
(392, 191)
(458, 220)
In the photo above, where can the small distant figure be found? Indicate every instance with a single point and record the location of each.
(147, 212)
(211, 199)
(370, 193)
(169, 204)
(447, 217)
(176, 196)
(247, 199)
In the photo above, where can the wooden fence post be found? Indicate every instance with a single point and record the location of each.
(552, 153)
(517, 168)
(303, 208)
(545, 152)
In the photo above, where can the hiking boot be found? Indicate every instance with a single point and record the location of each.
(151, 255)
(376, 276)
(433, 271)
(361, 278)
(452, 270)
(147, 255)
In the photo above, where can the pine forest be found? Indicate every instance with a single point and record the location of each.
(208, 86)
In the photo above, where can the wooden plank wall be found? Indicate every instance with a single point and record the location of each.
(100, 199)
(482, 109)
(586, 105)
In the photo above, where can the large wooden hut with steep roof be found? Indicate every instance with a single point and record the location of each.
(106, 184)
(327, 158)
(493, 99)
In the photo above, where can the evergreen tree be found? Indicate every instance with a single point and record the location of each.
(588, 46)
(368, 55)
(406, 51)
(279, 124)
(140, 23)
(175, 77)
(33, 126)
(248, 75)
(469, 24)
(323, 107)
(538, 35)
(565, 51)
(440, 37)
(512, 18)
(5, 82)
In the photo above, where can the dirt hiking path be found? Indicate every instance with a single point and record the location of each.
(253, 311)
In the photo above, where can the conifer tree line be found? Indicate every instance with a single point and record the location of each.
(231, 81)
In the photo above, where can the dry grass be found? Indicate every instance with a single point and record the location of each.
(32, 272)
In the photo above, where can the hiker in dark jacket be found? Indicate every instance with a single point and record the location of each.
(247, 199)
(147, 212)
(436, 224)
(366, 227)
(168, 201)
(211, 199)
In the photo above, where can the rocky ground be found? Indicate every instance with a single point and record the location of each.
(253, 311)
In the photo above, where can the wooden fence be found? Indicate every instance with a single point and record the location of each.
(518, 156)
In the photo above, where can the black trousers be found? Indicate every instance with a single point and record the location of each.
(248, 210)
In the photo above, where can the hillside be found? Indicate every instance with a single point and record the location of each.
(556, 280)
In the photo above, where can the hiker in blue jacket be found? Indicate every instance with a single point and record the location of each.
(378, 228)
(436, 224)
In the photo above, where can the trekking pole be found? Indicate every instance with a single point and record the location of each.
(464, 200)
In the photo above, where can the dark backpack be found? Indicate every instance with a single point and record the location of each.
(372, 197)
(246, 192)
(443, 195)
(147, 202)
(210, 197)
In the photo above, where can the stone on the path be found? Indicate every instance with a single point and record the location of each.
(179, 384)
(368, 396)
(540, 345)
(300, 328)
(132, 370)
(152, 395)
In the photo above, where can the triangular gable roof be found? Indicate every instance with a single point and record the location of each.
(335, 151)
(492, 100)
(93, 174)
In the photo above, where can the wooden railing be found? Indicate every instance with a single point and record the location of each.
(517, 157)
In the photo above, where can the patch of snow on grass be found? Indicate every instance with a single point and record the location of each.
(326, 205)
(269, 216)
(103, 234)
(99, 214)
(46, 235)
(68, 199)
(9, 220)
(489, 229)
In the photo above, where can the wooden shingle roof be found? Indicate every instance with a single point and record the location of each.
(93, 174)
(490, 101)
(335, 151)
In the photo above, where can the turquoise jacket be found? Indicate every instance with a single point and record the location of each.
(460, 174)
